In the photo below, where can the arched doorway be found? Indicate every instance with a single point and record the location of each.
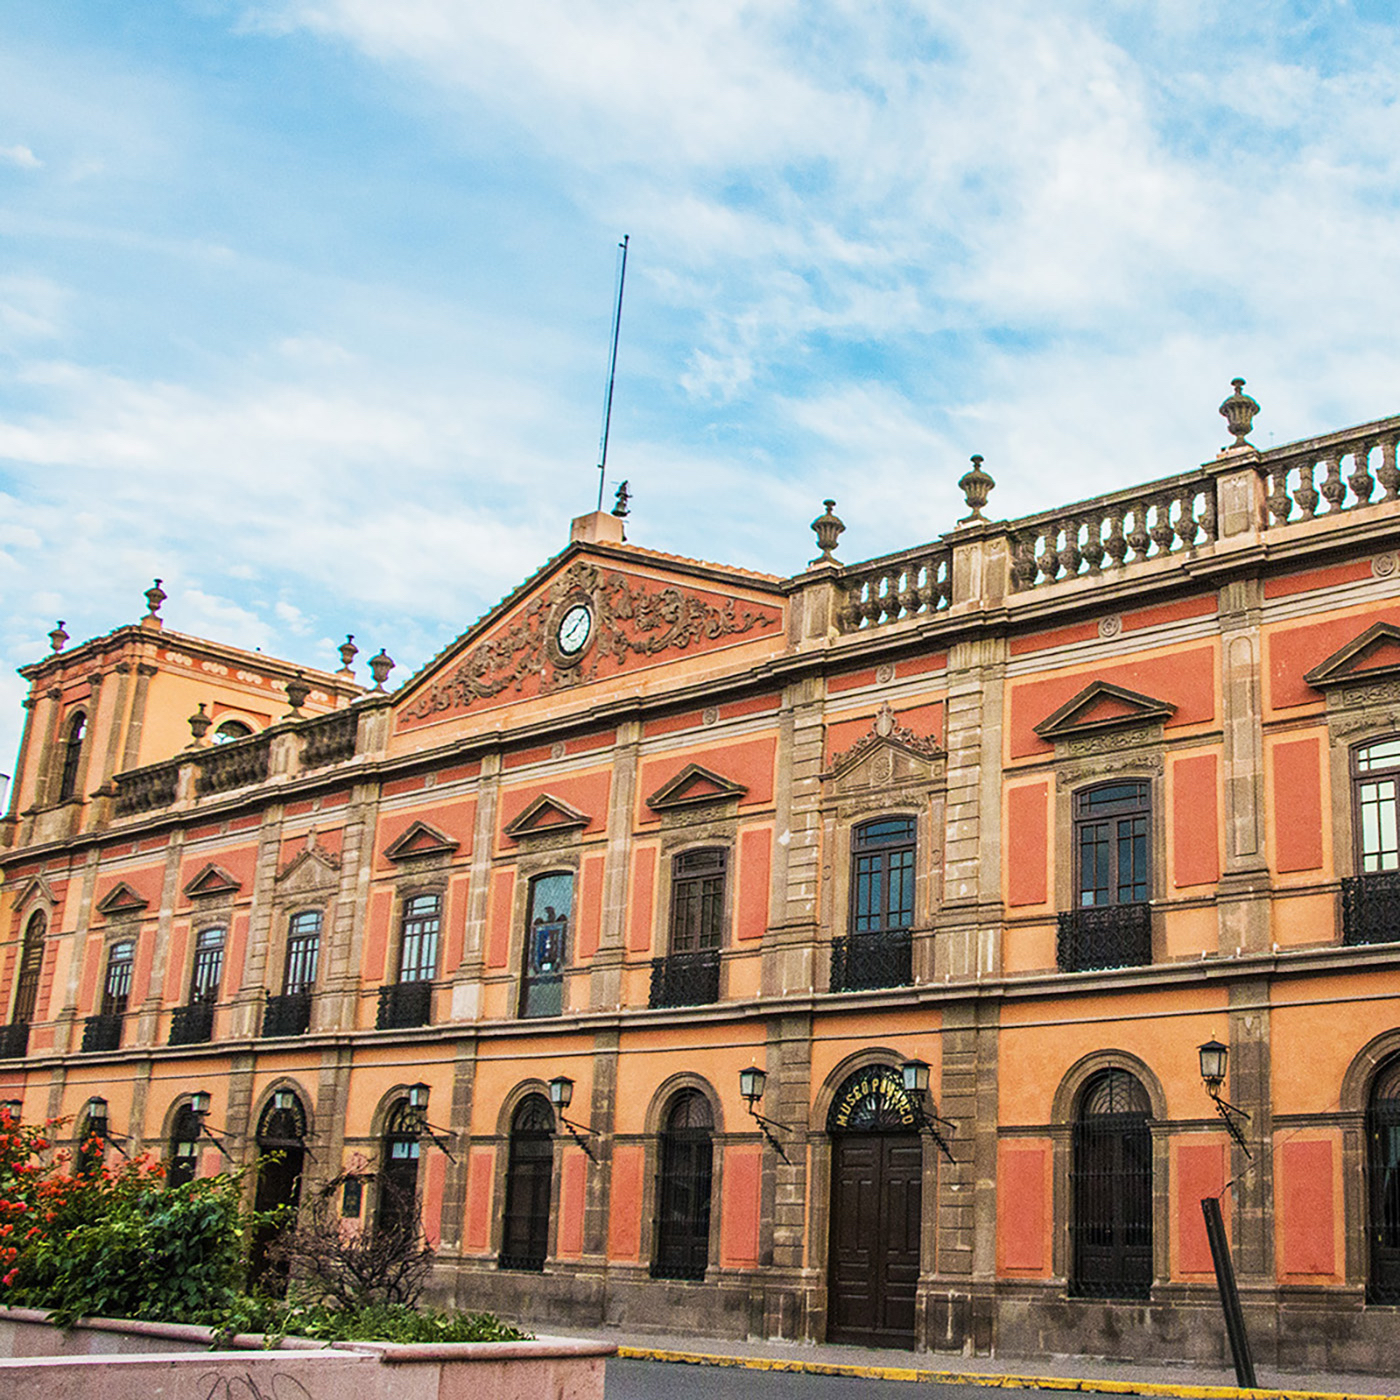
(281, 1139)
(1383, 1181)
(683, 1189)
(1111, 1188)
(398, 1176)
(877, 1170)
(529, 1180)
(184, 1147)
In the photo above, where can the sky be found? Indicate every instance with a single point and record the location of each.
(305, 304)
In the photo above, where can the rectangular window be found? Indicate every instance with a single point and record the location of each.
(546, 944)
(117, 988)
(882, 886)
(208, 965)
(303, 952)
(418, 953)
(697, 901)
(1111, 845)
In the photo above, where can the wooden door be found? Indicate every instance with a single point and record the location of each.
(876, 1208)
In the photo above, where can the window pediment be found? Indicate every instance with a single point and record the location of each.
(309, 869)
(888, 753)
(213, 879)
(121, 899)
(546, 816)
(420, 840)
(1100, 708)
(695, 786)
(1373, 656)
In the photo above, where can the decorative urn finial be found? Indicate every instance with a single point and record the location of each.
(199, 724)
(976, 486)
(828, 526)
(1239, 412)
(379, 668)
(155, 596)
(620, 503)
(58, 638)
(297, 691)
(348, 652)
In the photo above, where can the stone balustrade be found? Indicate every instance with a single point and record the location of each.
(911, 584)
(1325, 476)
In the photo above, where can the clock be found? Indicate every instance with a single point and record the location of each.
(574, 629)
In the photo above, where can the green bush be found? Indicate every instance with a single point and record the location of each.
(381, 1322)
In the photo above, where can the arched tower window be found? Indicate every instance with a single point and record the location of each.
(1111, 1189)
(72, 756)
(31, 963)
(683, 1189)
(1383, 1172)
(529, 1178)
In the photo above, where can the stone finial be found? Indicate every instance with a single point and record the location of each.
(976, 486)
(379, 668)
(348, 652)
(620, 503)
(199, 724)
(1239, 412)
(155, 596)
(58, 638)
(828, 527)
(297, 691)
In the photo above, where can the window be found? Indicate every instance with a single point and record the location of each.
(184, 1147)
(546, 944)
(1383, 1172)
(878, 949)
(281, 1139)
(683, 1191)
(72, 755)
(1111, 1189)
(690, 975)
(303, 951)
(208, 965)
(230, 730)
(117, 988)
(422, 919)
(1371, 898)
(398, 1182)
(529, 1173)
(31, 963)
(1110, 924)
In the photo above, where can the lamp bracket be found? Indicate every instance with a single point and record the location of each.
(580, 1135)
(1230, 1114)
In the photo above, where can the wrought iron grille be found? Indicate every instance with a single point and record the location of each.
(685, 979)
(1383, 1181)
(1116, 935)
(192, 1024)
(683, 1191)
(1371, 908)
(289, 1014)
(102, 1033)
(14, 1040)
(405, 1004)
(529, 1173)
(861, 961)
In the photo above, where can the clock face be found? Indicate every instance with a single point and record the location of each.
(574, 628)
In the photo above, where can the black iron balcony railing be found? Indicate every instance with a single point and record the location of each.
(289, 1014)
(192, 1024)
(862, 961)
(685, 979)
(102, 1033)
(405, 1004)
(14, 1040)
(531, 1263)
(1113, 935)
(1371, 908)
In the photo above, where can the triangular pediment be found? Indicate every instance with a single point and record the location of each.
(121, 899)
(315, 866)
(888, 750)
(546, 814)
(1376, 652)
(694, 786)
(1100, 706)
(38, 889)
(420, 840)
(213, 879)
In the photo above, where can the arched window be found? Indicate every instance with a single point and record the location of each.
(72, 755)
(398, 1177)
(529, 1177)
(31, 963)
(184, 1147)
(1111, 1189)
(281, 1139)
(683, 1189)
(230, 730)
(1383, 1171)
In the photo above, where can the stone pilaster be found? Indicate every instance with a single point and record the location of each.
(605, 978)
(1249, 1088)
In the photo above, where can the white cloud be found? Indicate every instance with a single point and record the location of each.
(21, 156)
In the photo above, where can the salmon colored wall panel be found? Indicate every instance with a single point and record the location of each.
(1312, 579)
(590, 906)
(1185, 678)
(454, 922)
(754, 705)
(498, 920)
(1298, 805)
(147, 882)
(749, 762)
(456, 820)
(1027, 828)
(377, 935)
(850, 680)
(571, 1190)
(927, 721)
(432, 1198)
(738, 1238)
(585, 792)
(1293, 651)
(1195, 828)
(141, 973)
(625, 1203)
(239, 862)
(1022, 1178)
(1200, 1172)
(755, 870)
(480, 1171)
(921, 665)
(1309, 1225)
(643, 896)
(234, 953)
(1157, 616)
(1054, 637)
(175, 966)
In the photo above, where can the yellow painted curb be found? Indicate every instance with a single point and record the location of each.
(909, 1373)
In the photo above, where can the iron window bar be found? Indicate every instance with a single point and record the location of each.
(685, 979)
(192, 1024)
(14, 1040)
(1103, 937)
(404, 1004)
(102, 1032)
(285, 1015)
(1371, 908)
(862, 962)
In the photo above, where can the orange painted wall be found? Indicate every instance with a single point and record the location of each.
(1291, 652)
(743, 1175)
(1195, 821)
(573, 1177)
(1307, 1210)
(1027, 834)
(377, 935)
(436, 1177)
(755, 870)
(585, 792)
(1200, 1172)
(1297, 796)
(480, 1171)
(1023, 1194)
(749, 762)
(625, 1202)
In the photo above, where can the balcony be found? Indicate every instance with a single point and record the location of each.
(102, 1033)
(289, 1014)
(685, 979)
(14, 1040)
(405, 1004)
(1114, 935)
(192, 1024)
(861, 962)
(1371, 908)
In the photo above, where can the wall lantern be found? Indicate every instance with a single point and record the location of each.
(915, 1074)
(752, 1082)
(95, 1118)
(561, 1095)
(283, 1100)
(199, 1103)
(416, 1119)
(1215, 1060)
(199, 1106)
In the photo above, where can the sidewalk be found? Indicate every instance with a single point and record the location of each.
(1084, 1373)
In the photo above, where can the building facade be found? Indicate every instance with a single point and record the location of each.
(1039, 807)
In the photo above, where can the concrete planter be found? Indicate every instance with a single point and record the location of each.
(108, 1359)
